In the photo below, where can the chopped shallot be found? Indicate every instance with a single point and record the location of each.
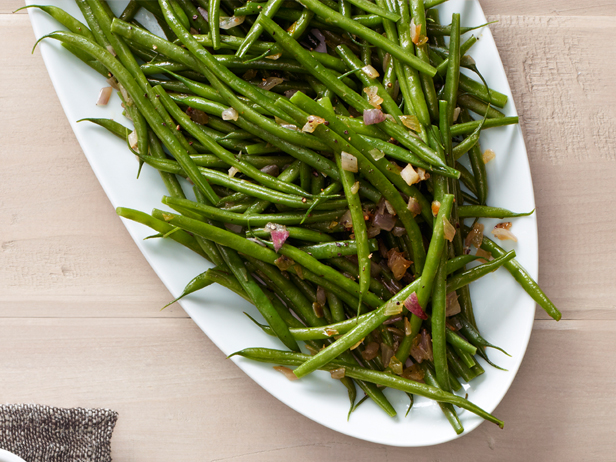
(376, 154)
(346, 220)
(321, 297)
(488, 155)
(230, 114)
(237, 229)
(412, 304)
(371, 351)
(338, 373)
(409, 175)
(288, 373)
(384, 221)
(397, 263)
(228, 22)
(423, 175)
(414, 206)
(272, 169)
(411, 122)
(349, 162)
(413, 372)
(475, 236)
(279, 234)
(373, 96)
(133, 140)
(436, 206)
(456, 114)
(370, 71)
(355, 187)
(322, 46)
(504, 234)
(270, 82)
(198, 116)
(232, 172)
(312, 123)
(373, 116)
(387, 353)
(284, 263)
(103, 96)
(453, 306)
(448, 230)
(422, 347)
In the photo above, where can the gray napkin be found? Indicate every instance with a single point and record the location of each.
(39, 433)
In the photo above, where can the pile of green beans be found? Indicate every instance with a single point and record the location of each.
(322, 139)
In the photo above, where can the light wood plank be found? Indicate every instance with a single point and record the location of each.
(178, 398)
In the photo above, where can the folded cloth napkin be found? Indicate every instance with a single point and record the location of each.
(39, 433)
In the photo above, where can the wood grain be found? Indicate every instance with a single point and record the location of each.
(76, 334)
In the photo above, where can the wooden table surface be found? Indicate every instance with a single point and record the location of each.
(79, 306)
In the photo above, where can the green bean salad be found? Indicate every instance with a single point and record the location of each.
(322, 138)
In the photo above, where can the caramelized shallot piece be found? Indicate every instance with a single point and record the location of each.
(397, 263)
(436, 206)
(409, 175)
(373, 96)
(414, 206)
(413, 372)
(288, 373)
(475, 236)
(448, 230)
(103, 96)
(501, 231)
(338, 373)
(371, 351)
(488, 155)
(453, 306)
(422, 347)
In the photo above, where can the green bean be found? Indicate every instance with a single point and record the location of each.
(472, 211)
(522, 277)
(478, 90)
(473, 104)
(63, 18)
(352, 269)
(268, 10)
(457, 367)
(164, 228)
(379, 378)
(302, 234)
(450, 413)
(327, 250)
(453, 68)
(335, 306)
(441, 69)
(467, 143)
(472, 334)
(154, 119)
(438, 30)
(469, 127)
(114, 127)
(468, 276)
(419, 18)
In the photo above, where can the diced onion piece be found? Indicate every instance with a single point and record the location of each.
(488, 155)
(103, 96)
(390, 208)
(373, 116)
(133, 140)
(346, 220)
(376, 154)
(125, 96)
(393, 308)
(318, 309)
(288, 373)
(321, 297)
(373, 96)
(330, 332)
(203, 13)
(371, 351)
(416, 36)
(373, 231)
(270, 82)
(272, 169)
(386, 60)
(475, 236)
(396, 365)
(279, 234)
(456, 114)
(250, 74)
(409, 175)
(111, 50)
(197, 116)
(237, 229)
(423, 175)
(230, 114)
(422, 347)
(436, 206)
(452, 304)
(392, 119)
(355, 187)
(412, 304)
(274, 57)
(397, 263)
(370, 71)
(387, 353)
(504, 234)
(349, 162)
(414, 206)
(413, 372)
(408, 329)
(411, 122)
(284, 263)
(312, 123)
(484, 256)
(399, 231)
(448, 230)
(232, 172)
(505, 225)
(322, 46)
(338, 373)
(113, 82)
(384, 221)
(229, 22)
